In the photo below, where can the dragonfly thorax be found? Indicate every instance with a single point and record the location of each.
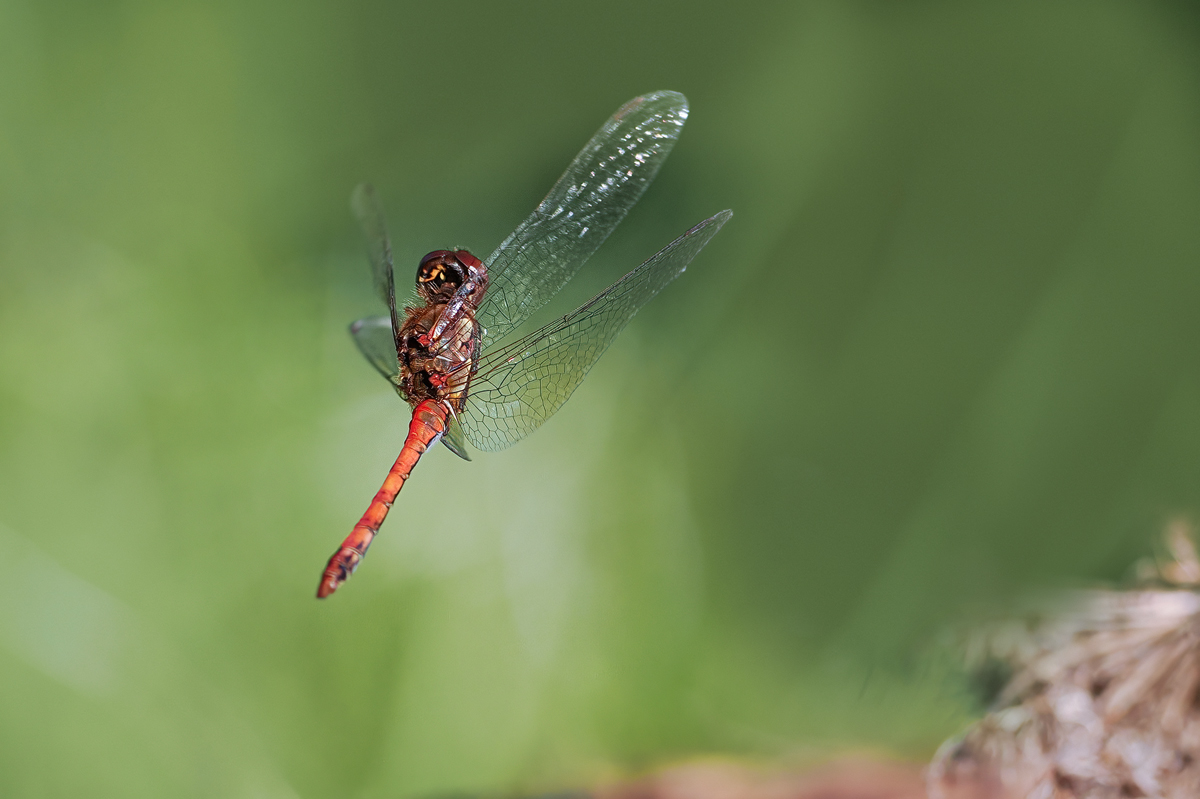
(438, 342)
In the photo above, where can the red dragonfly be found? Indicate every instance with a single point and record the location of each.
(455, 354)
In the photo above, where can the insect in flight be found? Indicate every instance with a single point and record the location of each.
(456, 356)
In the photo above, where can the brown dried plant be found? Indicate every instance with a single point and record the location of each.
(1102, 702)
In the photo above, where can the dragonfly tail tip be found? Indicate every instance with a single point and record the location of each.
(337, 571)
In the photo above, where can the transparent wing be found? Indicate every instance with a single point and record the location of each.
(369, 211)
(375, 341)
(454, 439)
(604, 181)
(520, 385)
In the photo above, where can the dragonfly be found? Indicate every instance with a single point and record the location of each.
(458, 353)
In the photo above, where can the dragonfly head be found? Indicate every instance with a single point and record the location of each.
(443, 272)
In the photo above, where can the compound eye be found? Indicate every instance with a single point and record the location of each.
(433, 272)
(438, 269)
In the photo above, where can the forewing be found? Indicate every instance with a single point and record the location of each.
(369, 211)
(519, 386)
(599, 187)
(375, 341)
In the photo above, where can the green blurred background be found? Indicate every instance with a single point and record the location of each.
(945, 351)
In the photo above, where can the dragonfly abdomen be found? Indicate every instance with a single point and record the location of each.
(427, 426)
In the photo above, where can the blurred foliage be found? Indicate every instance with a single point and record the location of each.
(945, 350)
